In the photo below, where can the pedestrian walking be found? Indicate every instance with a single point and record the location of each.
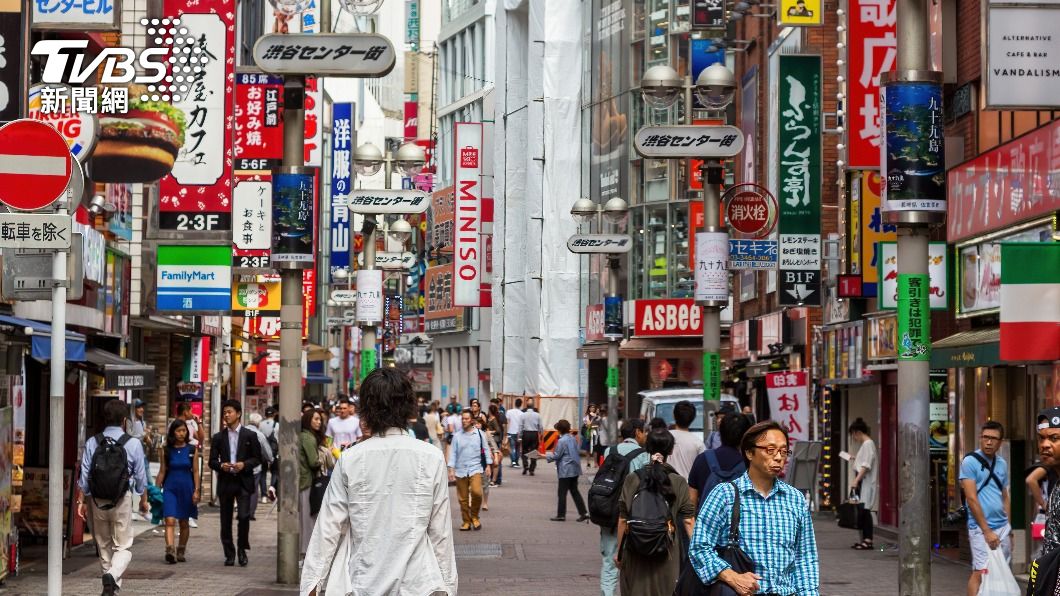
(139, 430)
(865, 486)
(390, 541)
(345, 429)
(313, 456)
(604, 438)
(197, 439)
(515, 428)
(495, 427)
(490, 474)
(569, 469)
(1049, 451)
(433, 420)
(267, 456)
(621, 460)
(469, 457)
(112, 471)
(590, 431)
(714, 438)
(775, 527)
(649, 553)
(687, 445)
(180, 481)
(717, 466)
(270, 428)
(234, 453)
(984, 483)
(531, 427)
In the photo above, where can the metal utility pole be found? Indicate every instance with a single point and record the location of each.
(57, 393)
(713, 177)
(368, 329)
(914, 542)
(612, 356)
(287, 528)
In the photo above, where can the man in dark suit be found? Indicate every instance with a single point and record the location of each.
(234, 453)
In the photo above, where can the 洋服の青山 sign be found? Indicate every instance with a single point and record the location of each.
(672, 317)
(468, 214)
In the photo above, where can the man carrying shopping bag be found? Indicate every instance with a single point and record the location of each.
(984, 481)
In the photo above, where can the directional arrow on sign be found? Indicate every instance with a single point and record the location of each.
(801, 292)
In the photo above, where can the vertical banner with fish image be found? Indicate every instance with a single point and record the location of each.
(912, 152)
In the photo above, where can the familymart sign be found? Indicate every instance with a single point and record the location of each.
(194, 279)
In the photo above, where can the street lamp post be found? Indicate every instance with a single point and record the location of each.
(714, 88)
(367, 161)
(615, 210)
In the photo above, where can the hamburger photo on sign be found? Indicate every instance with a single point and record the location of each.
(140, 145)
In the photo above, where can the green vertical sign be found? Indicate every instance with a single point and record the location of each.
(711, 376)
(914, 317)
(799, 145)
(612, 381)
(367, 362)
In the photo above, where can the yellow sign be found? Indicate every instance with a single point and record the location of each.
(873, 231)
(256, 296)
(854, 217)
(800, 13)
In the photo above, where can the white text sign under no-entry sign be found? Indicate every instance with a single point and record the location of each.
(35, 230)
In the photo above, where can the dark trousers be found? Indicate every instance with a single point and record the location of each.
(865, 521)
(569, 485)
(228, 502)
(529, 444)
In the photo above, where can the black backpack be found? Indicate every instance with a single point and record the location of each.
(717, 474)
(108, 477)
(650, 528)
(1044, 572)
(607, 487)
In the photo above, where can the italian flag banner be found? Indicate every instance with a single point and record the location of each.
(1030, 301)
(197, 360)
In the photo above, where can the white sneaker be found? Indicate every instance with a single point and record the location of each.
(192, 523)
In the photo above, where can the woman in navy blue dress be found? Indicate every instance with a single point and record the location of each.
(180, 488)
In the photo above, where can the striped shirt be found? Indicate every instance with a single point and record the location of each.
(775, 531)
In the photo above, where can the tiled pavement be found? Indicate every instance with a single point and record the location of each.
(517, 553)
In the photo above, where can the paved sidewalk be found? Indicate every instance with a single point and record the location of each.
(203, 574)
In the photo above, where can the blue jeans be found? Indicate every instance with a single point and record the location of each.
(608, 571)
(513, 443)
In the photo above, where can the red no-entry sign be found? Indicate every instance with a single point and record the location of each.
(35, 165)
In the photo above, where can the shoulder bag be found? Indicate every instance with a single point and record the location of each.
(689, 583)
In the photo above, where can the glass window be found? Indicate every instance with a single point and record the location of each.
(658, 32)
(657, 252)
(683, 278)
(656, 180)
(637, 274)
(639, 22)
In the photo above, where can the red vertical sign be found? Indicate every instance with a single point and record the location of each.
(197, 194)
(872, 50)
(412, 123)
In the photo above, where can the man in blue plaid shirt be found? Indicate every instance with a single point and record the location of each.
(776, 530)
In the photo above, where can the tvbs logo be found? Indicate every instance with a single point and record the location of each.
(175, 50)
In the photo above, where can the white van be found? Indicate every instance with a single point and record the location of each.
(660, 403)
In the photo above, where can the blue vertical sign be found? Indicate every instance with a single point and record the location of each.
(341, 143)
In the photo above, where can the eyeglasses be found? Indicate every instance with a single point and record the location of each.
(772, 451)
(989, 438)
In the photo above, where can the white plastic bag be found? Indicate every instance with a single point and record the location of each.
(998, 579)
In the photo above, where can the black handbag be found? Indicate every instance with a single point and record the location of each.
(848, 515)
(482, 452)
(689, 584)
(316, 493)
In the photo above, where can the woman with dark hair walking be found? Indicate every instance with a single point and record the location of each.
(865, 485)
(654, 576)
(313, 461)
(179, 480)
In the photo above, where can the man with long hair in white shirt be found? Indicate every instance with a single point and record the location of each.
(390, 541)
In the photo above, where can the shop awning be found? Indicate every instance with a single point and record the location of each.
(317, 379)
(681, 347)
(967, 349)
(41, 336)
(121, 373)
(596, 350)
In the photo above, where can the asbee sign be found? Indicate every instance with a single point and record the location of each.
(667, 318)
